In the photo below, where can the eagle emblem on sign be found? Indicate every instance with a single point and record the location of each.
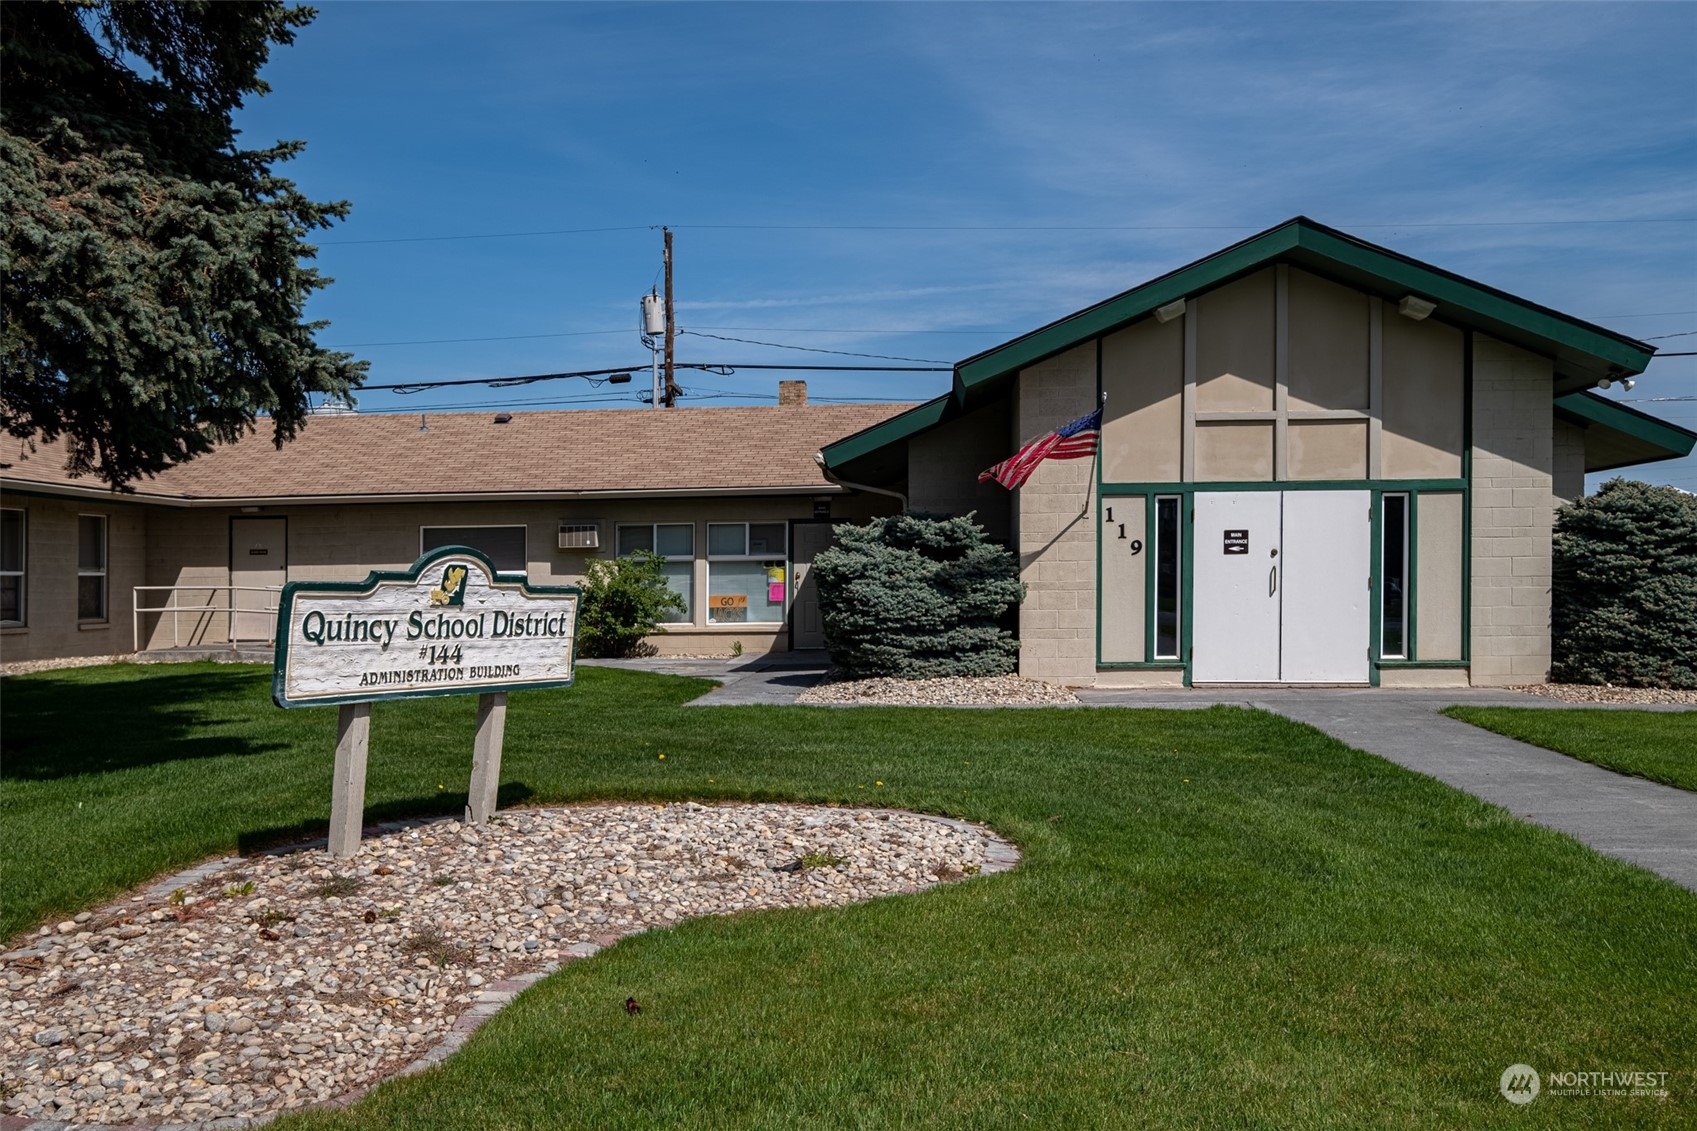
(451, 593)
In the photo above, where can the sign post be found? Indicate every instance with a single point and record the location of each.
(450, 625)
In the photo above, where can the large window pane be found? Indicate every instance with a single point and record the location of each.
(766, 538)
(12, 599)
(503, 545)
(745, 592)
(91, 542)
(634, 538)
(1393, 592)
(91, 597)
(680, 579)
(727, 539)
(12, 541)
(1167, 578)
(675, 539)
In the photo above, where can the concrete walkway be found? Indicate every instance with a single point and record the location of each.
(1653, 826)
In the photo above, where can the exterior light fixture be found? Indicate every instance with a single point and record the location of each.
(1415, 308)
(1170, 311)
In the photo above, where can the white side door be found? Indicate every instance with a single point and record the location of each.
(1326, 580)
(259, 556)
(1235, 598)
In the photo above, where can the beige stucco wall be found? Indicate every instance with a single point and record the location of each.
(345, 543)
(1513, 509)
(1142, 419)
(943, 466)
(1125, 579)
(1056, 527)
(1437, 584)
(51, 629)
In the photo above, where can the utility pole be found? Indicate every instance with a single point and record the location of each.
(670, 396)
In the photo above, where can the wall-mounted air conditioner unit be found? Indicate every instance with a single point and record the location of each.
(580, 536)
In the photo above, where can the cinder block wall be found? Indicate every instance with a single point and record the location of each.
(1513, 510)
(1056, 542)
(51, 629)
(1569, 455)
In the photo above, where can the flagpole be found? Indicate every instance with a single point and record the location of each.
(1094, 456)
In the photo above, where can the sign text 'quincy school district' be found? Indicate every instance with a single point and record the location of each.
(449, 625)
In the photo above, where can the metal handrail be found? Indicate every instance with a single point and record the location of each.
(228, 608)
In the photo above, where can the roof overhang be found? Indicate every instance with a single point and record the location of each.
(1620, 436)
(1583, 353)
(72, 491)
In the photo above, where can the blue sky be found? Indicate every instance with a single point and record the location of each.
(927, 180)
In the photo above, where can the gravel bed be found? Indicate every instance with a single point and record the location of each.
(293, 979)
(1590, 693)
(24, 667)
(974, 691)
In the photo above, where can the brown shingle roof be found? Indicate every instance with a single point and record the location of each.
(635, 450)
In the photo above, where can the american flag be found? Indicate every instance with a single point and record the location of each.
(1069, 441)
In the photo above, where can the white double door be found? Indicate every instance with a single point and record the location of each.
(1282, 586)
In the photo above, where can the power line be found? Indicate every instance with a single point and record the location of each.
(492, 338)
(1659, 337)
(987, 228)
(811, 349)
(490, 235)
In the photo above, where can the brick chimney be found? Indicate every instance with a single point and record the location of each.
(792, 392)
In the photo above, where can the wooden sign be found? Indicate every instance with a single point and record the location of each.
(449, 625)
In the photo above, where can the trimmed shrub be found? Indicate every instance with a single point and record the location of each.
(1624, 605)
(917, 597)
(624, 600)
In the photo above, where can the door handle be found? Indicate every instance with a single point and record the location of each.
(1272, 580)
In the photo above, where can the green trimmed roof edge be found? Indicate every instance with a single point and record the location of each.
(910, 423)
(1677, 442)
(1444, 287)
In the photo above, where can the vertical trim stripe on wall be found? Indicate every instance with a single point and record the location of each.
(1187, 427)
(1411, 583)
(1467, 499)
(1375, 387)
(1281, 371)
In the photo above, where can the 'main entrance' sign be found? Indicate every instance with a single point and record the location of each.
(449, 625)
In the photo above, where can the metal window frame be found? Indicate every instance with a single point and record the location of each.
(22, 572)
(105, 615)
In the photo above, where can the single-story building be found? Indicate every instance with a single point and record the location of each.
(1320, 462)
(731, 497)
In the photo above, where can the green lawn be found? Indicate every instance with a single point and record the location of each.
(1223, 919)
(1659, 745)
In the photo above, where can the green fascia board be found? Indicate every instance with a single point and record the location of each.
(1304, 241)
(1594, 411)
(915, 420)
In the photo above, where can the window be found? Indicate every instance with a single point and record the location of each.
(1393, 573)
(746, 575)
(1167, 577)
(91, 567)
(11, 566)
(674, 541)
(503, 545)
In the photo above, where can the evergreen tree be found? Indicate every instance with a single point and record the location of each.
(1624, 606)
(918, 597)
(153, 286)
